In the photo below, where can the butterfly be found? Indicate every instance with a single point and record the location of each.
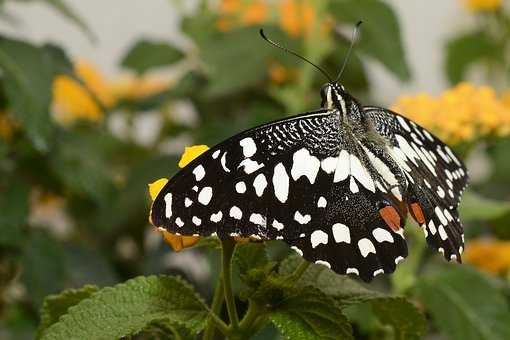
(336, 184)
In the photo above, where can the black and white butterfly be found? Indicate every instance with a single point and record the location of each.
(336, 184)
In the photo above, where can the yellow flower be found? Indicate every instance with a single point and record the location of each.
(73, 102)
(135, 88)
(190, 153)
(462, 113)
(279, 74)
(492, 256)
(482, 5)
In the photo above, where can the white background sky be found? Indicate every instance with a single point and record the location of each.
(118, 24)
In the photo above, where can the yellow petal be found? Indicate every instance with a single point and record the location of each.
(190, 153)
(155, 187)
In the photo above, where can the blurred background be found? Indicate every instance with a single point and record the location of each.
(99, 98)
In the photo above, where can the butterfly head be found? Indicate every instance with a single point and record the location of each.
(333, 97)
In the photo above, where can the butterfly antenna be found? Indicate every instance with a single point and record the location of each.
(294, 53)
(355, 35)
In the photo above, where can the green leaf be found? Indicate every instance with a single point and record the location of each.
(465, 50)
(465, 305)
(28, 79)
(55, 306)
(43, 267)
(146, 54)
(380, 36)
(14, 208)
(71, 15)
(310, 314)
(475, 207)
(407, 322)
(251, 255)
(129, 307)
(238, 59)
(403, 316)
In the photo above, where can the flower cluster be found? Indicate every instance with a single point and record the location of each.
(482, 5)
(460, 114)
(87, 99)
(295, 17)
(492, 256)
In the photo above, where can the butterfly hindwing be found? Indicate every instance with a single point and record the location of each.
(435, 175)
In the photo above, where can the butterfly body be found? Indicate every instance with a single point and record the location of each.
(336, 184)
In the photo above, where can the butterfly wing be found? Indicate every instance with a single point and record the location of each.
(301, 180)
(436, 176)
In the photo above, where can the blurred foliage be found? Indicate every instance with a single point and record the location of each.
(77, 149)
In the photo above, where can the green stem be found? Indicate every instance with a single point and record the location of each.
(300, 270)
(227, 250)
(217, 303)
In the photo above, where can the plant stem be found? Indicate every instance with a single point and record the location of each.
(227, 250)
(217, 303)
(300, 270)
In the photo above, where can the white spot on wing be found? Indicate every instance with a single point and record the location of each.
(378, 271)
(260, 184)
(168, 205)
(205, 195)
(216, 217)
(366, 247)
(241, 187)
(281, 183)
(341, 233)
(318, 237)
(324, 263)
(403, 123)
(216, 154)
(398, 259)
(297, 250)
(329, 164)
(304, 164)
(187, 202)
(442, 233)
(321, 203)
(382, 235)
(224, 162)
(236, 213)
(199, 172)
(258, 219)
(277, 225)
(342, 167)
(361, 174)
(250, 166)
(196, 221)
(302, 219)
(440, 215)
(352, 271)
(249, 147)
(179, 222)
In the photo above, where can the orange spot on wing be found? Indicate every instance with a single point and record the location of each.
(417, 213)
(390, 215)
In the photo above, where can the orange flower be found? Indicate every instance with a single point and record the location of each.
(492, 256)
(255, 13)
(297, 18)
(278, 73)
(230, 6)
